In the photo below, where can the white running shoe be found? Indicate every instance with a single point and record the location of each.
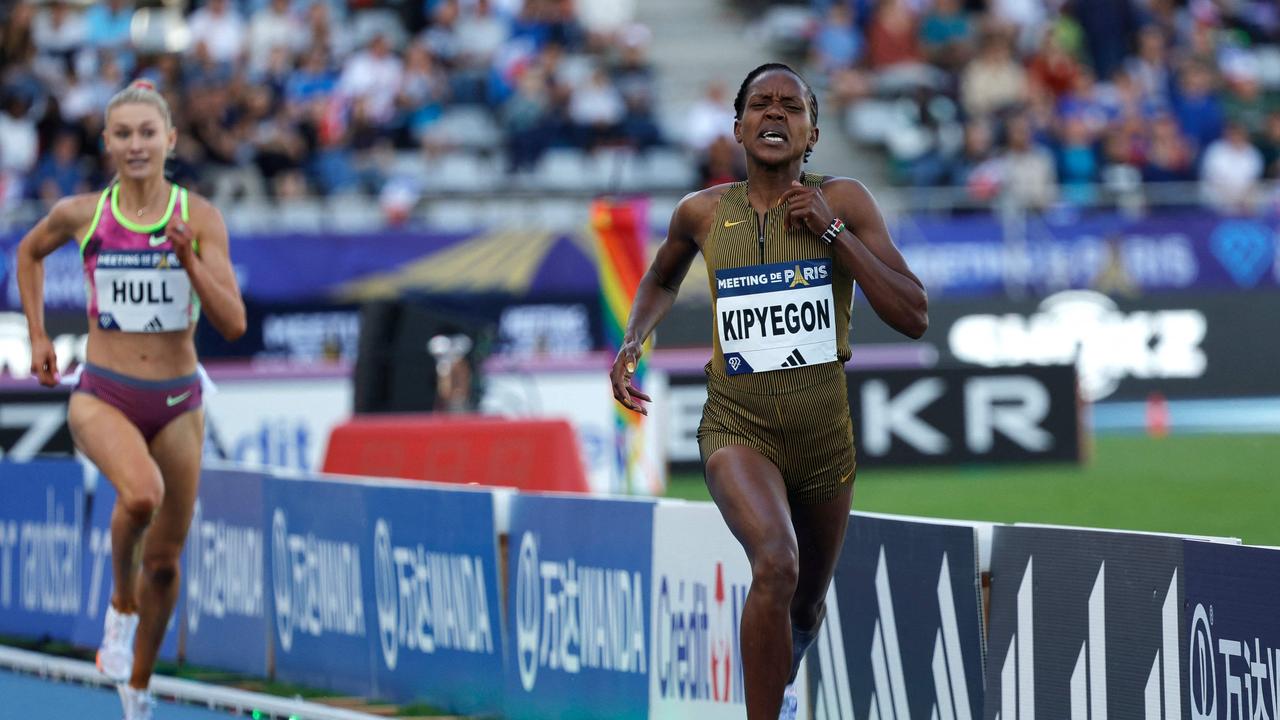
(138, 704)
(115, 657)
(790, 703)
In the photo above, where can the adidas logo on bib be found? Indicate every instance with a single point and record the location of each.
(154, 326)
(795, 359)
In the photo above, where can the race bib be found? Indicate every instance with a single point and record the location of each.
(142, 291)
(776, 317)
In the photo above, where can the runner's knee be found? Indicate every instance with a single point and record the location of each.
(775, 569)
(140, 503)
(161, 567)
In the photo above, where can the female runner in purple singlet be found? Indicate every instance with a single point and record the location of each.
(154, 256)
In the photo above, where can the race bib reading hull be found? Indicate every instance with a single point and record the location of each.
(142, 291)
(776, 317)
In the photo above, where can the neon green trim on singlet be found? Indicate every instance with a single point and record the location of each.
(186, 217)
(195, 245)
(97, 215)
(164, 220)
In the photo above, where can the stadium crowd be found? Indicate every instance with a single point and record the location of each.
(286, 98)
(1051, 101)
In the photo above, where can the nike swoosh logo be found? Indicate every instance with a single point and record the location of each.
(157, 240)
(175, 399)
(728, 224)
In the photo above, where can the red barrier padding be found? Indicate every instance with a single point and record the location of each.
(524, 454)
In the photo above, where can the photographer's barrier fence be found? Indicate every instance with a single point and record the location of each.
(491, 603)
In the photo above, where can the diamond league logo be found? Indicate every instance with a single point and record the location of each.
(528, 611)
(1202, 674)
(384, 581)
(1245, 249)
(281, 572)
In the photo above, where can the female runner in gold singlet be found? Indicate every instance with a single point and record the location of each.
(782, 251)
(154, 255)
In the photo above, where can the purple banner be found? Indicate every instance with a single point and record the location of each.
(977, 256)
(1170, 251)
(352, 268)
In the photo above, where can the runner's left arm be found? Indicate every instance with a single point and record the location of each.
(865, 248)
(203, 249)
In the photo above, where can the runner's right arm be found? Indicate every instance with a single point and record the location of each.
(63, 222)
(657, 291)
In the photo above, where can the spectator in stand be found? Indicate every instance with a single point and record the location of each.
(373, 76)
(19, 145)
(1231, 170)
(1052, 68)
(322, 30)
(633, 76)
(1246, 102)
(1108, 28)
(838, 42)
(107, 28)
(60, 173)
(88, 96)
(1197, 107)
(274, 26)
(596, 110)
(1269, 146)
(1028, 172)
(526, 117)
(1027, 17)
(892, 38)
(1169, 156)
(59, 32)
(220, 28)
(976, 150)
(478, 36)
(632, 72)
(947, 35)
(994, 80)
(710, 118)
(424, 90)
(1120, 173)
(17, 46)
(1150, 68)
(1078, 168)
(314, 79)
(722, 163)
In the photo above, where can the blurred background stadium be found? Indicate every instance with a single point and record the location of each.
(422, 195)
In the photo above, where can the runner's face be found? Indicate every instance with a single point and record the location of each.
(775, 126)
(138, 140)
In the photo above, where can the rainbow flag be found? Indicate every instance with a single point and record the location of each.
(620, 228)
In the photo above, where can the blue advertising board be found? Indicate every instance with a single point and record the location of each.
(430, 561)
(315, 532)
(41, 548)
(227, 601)
(578, 596)
(903, 635)
(1232, 618)
(97, 579)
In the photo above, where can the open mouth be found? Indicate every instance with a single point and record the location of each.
(138, 163)
(773, 137)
